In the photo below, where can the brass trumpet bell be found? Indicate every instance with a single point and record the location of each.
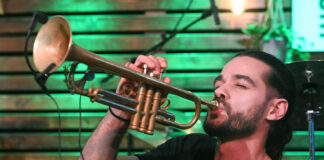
(52, 44)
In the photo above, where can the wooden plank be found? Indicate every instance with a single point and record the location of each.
(189, 61)
(75, 6)
(287, 155)
(139, 42)
(300, 140)
(70, 120)
(39, 155)
(46, 155)
(301, 155)
(68, 102)
(45, 121)
(139, 23)
(34, 121)
(1, 8)
(49, 141)
(187, 81)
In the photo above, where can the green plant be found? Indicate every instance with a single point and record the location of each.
(274, 27)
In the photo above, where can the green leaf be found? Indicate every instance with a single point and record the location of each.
(245, 31)
(267, 37)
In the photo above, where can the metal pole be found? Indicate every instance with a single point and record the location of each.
(310, 119)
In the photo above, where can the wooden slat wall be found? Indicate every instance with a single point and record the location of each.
(117, 30)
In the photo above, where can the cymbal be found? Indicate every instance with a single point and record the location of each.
(309, 77)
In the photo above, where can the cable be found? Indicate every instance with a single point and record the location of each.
(89, 75)
(59, 127)
(165, 39)
(80, 128)
(182, 15)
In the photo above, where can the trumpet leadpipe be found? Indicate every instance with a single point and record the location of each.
(211, 105)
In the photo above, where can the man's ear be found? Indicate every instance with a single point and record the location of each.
(277, 109)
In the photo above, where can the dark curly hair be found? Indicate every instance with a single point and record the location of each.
(282, 80)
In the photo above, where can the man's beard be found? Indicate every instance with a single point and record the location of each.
(238, 125)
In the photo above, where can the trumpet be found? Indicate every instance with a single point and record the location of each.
(53, 45)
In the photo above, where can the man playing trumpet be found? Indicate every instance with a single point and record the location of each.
(256, 94)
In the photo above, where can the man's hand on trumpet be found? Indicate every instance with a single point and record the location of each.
(154, 65)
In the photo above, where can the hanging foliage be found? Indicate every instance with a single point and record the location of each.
(273, 28)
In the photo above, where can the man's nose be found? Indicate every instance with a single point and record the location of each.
(221, 92)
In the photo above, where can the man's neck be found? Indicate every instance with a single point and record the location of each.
(252, 147)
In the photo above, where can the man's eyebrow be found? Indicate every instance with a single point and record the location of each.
(218, 78)
(246, 78)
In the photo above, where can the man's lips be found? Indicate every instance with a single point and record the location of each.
(217, 110)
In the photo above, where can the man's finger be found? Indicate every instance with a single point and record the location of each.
(167, 80)
(163, 62)
(141, 59)
(156, 69)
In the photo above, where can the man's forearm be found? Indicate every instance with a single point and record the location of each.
(104, 141)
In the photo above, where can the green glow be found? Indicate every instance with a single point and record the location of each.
(306, 133)
(104, 6)
(64, 114)
(307, 26)
(189, 61)
(79, 6)
(39, 154)
(139, 22)
(301, 153)
(186, 41)
(84, 134)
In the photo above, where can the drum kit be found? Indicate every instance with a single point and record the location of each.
(309, 77)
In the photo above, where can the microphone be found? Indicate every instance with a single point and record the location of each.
(42, 77)
(38, 16)
(214, 10)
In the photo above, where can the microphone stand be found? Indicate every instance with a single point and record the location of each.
(207, 13)
(310, 117)
(311, 113)
(173, 34)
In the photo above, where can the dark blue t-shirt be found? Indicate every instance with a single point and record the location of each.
(190, 147)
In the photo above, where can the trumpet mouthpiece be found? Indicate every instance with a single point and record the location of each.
(211, 105)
